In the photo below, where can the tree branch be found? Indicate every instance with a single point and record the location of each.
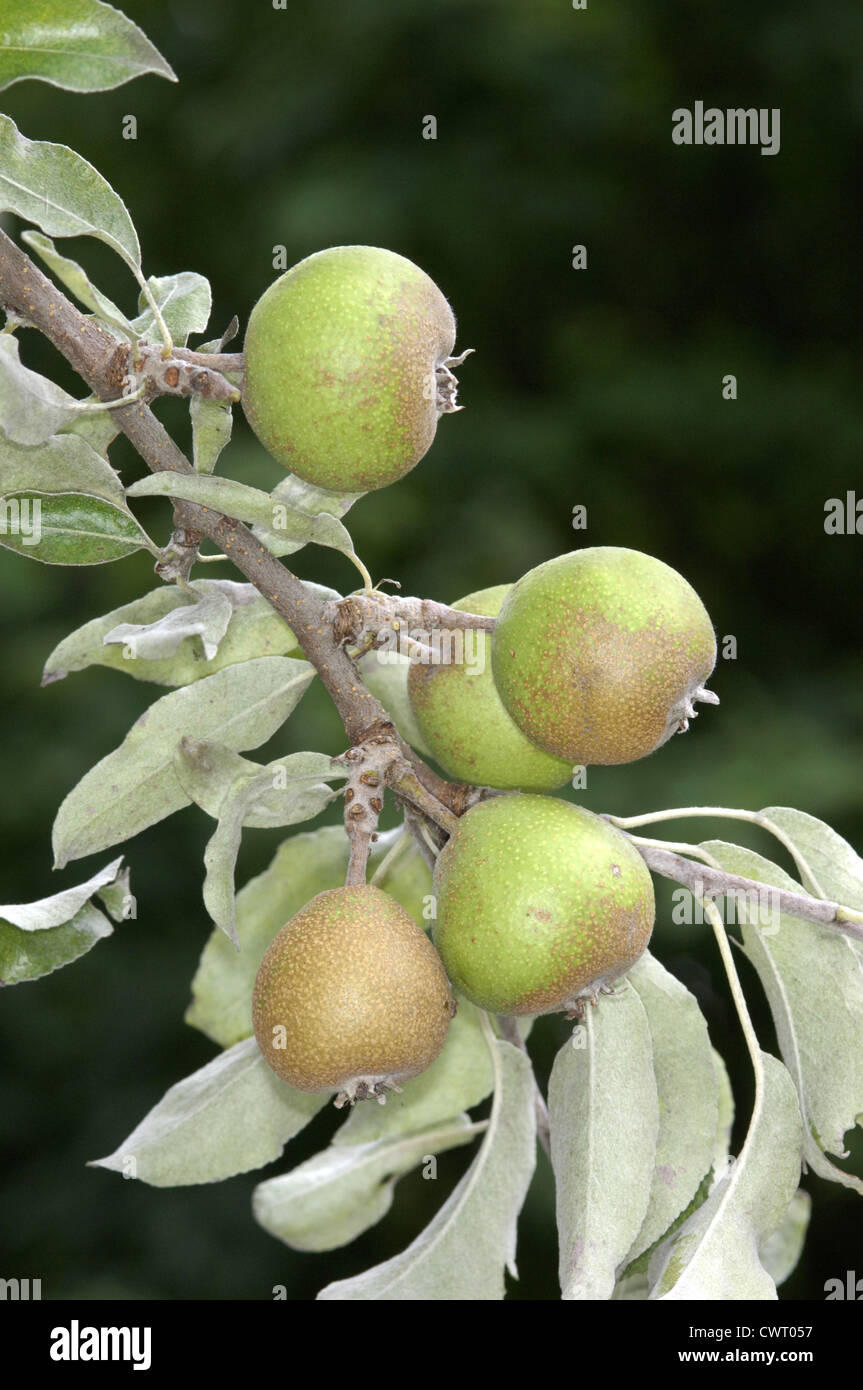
(705, 882)
(362, 618)
(101, 361)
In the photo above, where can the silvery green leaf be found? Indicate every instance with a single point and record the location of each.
(208, 771)
(255, 630)
(631, 1287)
(212, 423)
(714, 1255)
(725, 1117)
(837, 867)
(230, 1117)
(305, 864)
(604, 1115)
(813, 980)
(247, 504)
(69, 528)
(337, 1195)
(633, 1283)
(136, 785)
(64, 463)
(71, 274)
(220, 857)
(24, 957)
(38, 937)
(184, 299)
(60, 192)
(687, 1088)
(463, 1252)
(780, 1252)
(388, 682)
(82, 45)
(117, 898)
(32, 408)
(296, 496)
(207, 619)
(256, 795)
(60, 907)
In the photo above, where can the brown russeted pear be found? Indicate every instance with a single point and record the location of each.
(601, 655)
(351, 996)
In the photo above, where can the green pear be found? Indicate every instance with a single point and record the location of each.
(464, 723)
(540, 905)
(600, 655)
(346, 367)
(350, 996)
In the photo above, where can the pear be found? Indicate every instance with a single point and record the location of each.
(351, 996)
(540, 905)
(463, 722)
(347, 367)
(600, 655)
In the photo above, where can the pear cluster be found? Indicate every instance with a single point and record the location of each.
(597, 657)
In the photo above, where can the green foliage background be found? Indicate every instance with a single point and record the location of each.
(303, 127)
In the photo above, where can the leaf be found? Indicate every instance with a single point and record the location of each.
(687, 1087)
(838, 868)
(247, 504)
(230, 1117)
(813, 980)
(714, 1255)
(780, 1252)
(463, 1252)
(604, 1115)
(185, 300)
(82, 45)
(61, 907)
(117, 898)
(337, 1195)
(725, 1116)
(212, 423)
(388, 682)
(32, 408)
(64, 463)
(25, 957)
(69, 528)
(633, 1283)
(60, 192)
(247, 796)
(299, 497)
(38, 937)
(70, 274)
(136, 785)
(255, 630)
(207, 619)
(303, 865)
(208, 772)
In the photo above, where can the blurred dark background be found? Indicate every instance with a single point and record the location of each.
(603, 387)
